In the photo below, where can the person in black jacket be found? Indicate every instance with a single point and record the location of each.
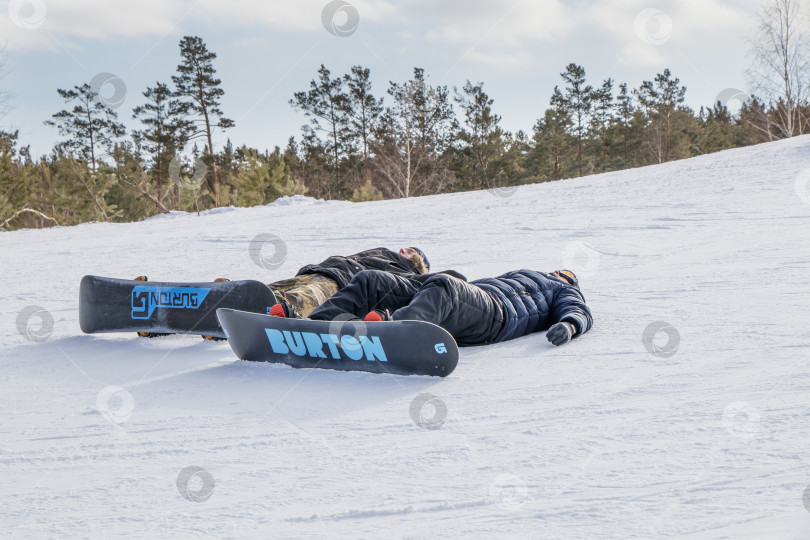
(475, 313)
(314, 283)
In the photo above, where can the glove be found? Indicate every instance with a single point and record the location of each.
(561, 333)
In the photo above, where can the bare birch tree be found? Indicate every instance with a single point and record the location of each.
(781, 67)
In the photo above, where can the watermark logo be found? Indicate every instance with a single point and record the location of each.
(115, 404)
(581, 258)
(509, 491)
(268, 251)
(27, 14)
(653, 26)
(193, 182)
(348, 326)
(652, 336)
(195, 484)
(104, 81)
(340, 18)
(504, 191)
(35, 323)
(806, 498)
(733, 95)
(428, 411)
(742, 420)
(801, 186)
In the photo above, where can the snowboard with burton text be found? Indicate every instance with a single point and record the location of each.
(399, 347)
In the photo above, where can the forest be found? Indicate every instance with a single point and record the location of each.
(417, 139)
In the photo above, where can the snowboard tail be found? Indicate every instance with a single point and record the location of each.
(398, 347)
(123, 305)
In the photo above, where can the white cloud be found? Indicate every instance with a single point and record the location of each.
(508, 25)
(501, 59)
(506, 33)
(495, 30)
(500, 34)
(283, 15)
(644, 30)
(72, 20)
(64, 21)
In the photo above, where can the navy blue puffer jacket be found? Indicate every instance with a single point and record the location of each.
(534, 301)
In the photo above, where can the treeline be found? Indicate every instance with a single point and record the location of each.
(421, 138)
(417, 139)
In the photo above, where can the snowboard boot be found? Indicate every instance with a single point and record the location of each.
(212, 338)
(377, 315)
(147, 334)
(284, 309)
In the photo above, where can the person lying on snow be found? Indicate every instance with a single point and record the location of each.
(314, 283)
(483, 311)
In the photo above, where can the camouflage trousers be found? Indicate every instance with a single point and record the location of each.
(305, 292)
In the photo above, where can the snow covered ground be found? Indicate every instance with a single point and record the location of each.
(684, 412)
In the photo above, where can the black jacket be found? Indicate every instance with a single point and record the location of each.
(482, 311)
(343, 269)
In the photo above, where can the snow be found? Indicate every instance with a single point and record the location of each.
(708, 436)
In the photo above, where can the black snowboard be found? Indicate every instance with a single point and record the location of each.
(400, 347)
(123, 305)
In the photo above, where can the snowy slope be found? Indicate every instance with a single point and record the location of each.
(706, 437)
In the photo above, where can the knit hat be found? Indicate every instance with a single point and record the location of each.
(422, 254)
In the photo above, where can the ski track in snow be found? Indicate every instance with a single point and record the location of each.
(596, 439)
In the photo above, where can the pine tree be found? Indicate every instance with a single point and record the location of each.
(326, 104)
(660, 100)
(515, 159)
(363, 108)
(18, 207)
(366, 193)
(717, 129)
(625, 111)
(166, 131)
(77, 195)
(134, 191)
(578, 97)
(90, 126)
(754, 125)
(262, 178)
(199, 91)
(601, 121)
(552, 140)
(483, 137)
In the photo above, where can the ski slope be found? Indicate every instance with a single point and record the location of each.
(707, 436)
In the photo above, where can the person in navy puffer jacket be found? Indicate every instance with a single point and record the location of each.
(475, 313)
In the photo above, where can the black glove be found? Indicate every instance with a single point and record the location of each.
(561, 333)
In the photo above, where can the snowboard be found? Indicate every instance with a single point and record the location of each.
(399, 347)
(123, 305)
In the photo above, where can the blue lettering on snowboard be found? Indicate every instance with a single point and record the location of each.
(311, 345)
(146, 299)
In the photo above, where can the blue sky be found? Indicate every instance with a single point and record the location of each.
(269, 49)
